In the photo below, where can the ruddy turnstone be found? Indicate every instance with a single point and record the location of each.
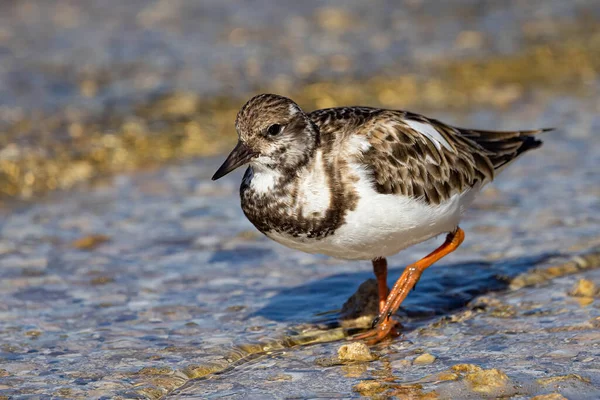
(361, 183)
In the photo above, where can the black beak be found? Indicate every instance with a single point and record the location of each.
(240, 155)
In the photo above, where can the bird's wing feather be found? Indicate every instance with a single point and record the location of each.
(415, 156)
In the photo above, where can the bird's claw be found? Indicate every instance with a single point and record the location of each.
(388, 328)
(375, 321)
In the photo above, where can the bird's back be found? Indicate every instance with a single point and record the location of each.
(412, 155)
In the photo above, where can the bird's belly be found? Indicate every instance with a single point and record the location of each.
(381, 225)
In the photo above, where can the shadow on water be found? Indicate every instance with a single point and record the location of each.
(442, 289)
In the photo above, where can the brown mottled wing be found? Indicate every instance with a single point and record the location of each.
(405, 161)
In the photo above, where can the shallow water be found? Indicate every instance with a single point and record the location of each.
(181, 285)
(152, 284)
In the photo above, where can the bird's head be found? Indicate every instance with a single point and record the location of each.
(274, 134)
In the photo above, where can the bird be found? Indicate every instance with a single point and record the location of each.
(364, 183)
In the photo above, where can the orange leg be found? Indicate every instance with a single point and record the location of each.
(409, 278)
(380, 270)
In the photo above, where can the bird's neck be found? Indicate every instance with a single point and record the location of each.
(262, 180)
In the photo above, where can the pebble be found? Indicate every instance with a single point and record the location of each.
(89, 242)
(356, 351)
(562, 378)
(489, 382)
(424, 359)
(584, 288)
(280, 377)
(549, 396)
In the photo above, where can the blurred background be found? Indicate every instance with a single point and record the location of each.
(91, 88)
(126, 273)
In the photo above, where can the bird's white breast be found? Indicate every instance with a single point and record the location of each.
(381, 225)
(313, 197)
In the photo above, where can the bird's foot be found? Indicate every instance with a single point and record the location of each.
(388, 328)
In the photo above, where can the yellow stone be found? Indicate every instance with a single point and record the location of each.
(466, 368)
(584, 288)
(487, 381)
(550, 396)
(448, 376)
(356, 351)
(424, 359)
(89, 242)
(562, 378)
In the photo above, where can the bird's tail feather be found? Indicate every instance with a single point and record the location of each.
(504, 147)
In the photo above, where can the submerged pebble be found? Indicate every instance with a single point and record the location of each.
(280, 377)
(490, 381)
(584, 288)
(89, 242)
(549, 396)
(373, 388)
(424, 359)
(155, 371)
(561, 378)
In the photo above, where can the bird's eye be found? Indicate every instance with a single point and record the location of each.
(274, 130)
